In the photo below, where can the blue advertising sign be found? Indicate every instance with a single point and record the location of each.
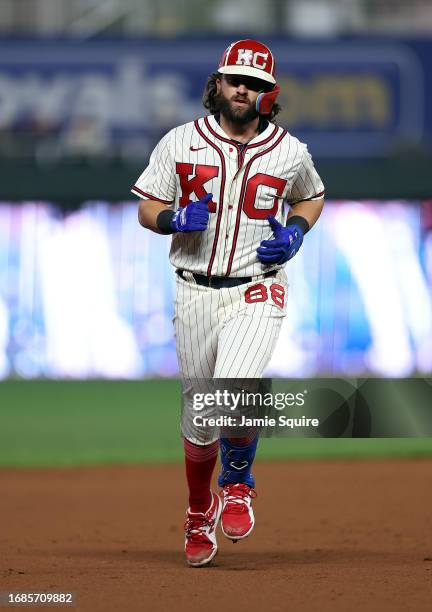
(117, 97)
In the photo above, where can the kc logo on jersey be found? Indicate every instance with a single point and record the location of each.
(203, 174)
(246, 57)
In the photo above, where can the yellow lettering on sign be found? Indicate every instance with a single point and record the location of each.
(336, 101)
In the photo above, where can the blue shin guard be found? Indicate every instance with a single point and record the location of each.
(237, 462)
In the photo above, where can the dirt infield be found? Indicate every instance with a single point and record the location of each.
(329, 536)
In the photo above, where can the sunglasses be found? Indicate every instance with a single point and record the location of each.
(234, 80)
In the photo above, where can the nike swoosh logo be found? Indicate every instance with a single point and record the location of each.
(197, 148)
(239, 466)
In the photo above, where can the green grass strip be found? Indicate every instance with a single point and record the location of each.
(67, 423)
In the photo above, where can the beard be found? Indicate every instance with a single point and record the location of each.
(238, 115)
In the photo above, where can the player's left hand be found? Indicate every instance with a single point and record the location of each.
(284, 246)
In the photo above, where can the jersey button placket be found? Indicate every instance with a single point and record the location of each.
(231, 190)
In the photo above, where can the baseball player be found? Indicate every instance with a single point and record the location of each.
(237, 193)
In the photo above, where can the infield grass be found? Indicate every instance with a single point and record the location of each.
(61, 423)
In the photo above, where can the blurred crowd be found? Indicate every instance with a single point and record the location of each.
(173, 17)
(91, 128)
(44, 141)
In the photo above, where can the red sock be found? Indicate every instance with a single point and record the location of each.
(200, 462)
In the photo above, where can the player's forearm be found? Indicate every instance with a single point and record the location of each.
(148, 212)
(308, 209)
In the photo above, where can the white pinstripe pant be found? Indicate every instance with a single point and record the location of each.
(220, 335)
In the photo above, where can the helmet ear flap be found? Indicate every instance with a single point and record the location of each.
(265, 100)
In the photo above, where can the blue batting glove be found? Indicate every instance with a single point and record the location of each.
(193, 217)
(285, 245)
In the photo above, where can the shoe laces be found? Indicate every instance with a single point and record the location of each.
(195, 525)
(236, 497)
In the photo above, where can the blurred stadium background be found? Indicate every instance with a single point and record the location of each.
(87, 87)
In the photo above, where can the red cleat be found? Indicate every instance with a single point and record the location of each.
(237, 519)
(200, 534)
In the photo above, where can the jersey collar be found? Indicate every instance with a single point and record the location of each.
(263, 137)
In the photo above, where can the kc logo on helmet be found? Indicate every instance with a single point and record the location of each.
(247, 57)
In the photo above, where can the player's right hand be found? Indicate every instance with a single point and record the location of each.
(194, 217)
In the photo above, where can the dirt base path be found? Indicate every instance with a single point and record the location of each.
(329, 536)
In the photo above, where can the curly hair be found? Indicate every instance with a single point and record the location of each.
(210, 101)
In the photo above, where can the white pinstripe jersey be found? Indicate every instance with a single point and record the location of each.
(247, 185)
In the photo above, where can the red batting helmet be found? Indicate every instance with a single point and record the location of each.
(254, 59)
(250, 58)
